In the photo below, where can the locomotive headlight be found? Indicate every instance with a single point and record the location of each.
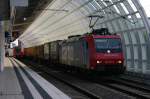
(98, 62)
(119, 61)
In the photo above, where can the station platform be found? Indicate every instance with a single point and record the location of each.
(20, 82)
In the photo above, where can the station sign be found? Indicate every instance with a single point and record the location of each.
(4, 10)
(19, 3)
(7, 37)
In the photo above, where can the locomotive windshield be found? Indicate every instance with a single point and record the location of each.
(104, 44)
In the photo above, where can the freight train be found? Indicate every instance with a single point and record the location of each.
(18, 52)
(96, 51)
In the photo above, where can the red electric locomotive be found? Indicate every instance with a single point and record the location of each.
(98, 51)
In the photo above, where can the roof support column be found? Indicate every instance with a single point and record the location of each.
(147, 26)
(2, 47)
(143, 14)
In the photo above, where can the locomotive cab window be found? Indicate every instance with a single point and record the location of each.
(104, 44)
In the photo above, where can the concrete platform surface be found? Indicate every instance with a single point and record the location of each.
(9, 85)
(17, 81)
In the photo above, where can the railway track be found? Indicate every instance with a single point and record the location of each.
(54, 74)
(124, 84)
(132, 84)
(127, 89)
(131, 91)
(133, 88)
(145, 82)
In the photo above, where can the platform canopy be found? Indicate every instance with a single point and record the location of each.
(62, 18)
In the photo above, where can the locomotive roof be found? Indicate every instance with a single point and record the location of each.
(76, 38)
(106, 36)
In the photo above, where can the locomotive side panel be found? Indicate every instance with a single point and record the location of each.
(54, 52)
(46, 51)
(39, 53)
(70, 54)
(30, 52)
(78, 54)
(64, 55)
(85, 53)
(74, 53)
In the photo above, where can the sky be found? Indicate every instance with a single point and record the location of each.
(146, 5)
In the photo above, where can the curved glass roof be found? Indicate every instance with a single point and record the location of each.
(71, 17)
(62, 18)
(146, 5)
